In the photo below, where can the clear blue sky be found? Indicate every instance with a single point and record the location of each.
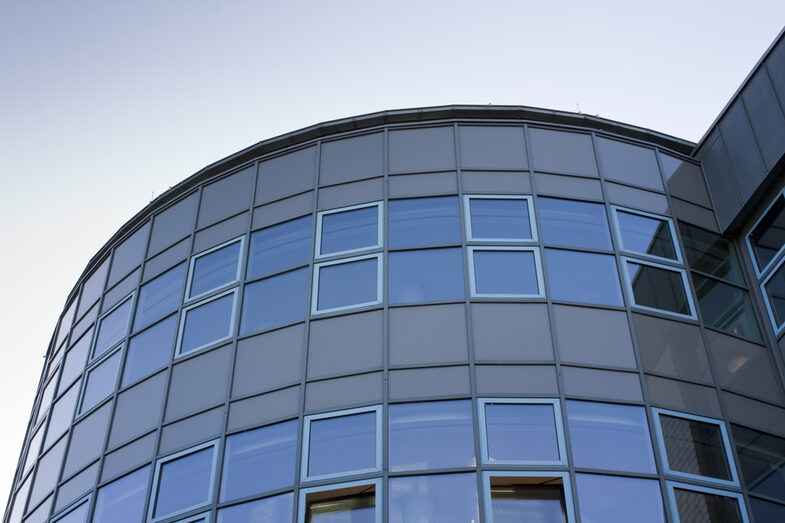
(103, 104)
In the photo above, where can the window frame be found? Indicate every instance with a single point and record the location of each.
(205, 516)
(317, 267)
(684, 280)
(566, 485)
(467, 217)
(306, 443)
(615, 209)
(558, 417)
(380, 226)
(160, 462)
(91, 357)
(673, 485)
(378, 494)
(778, 328)
(184, 315)
(73, 506)
(537, 268)
(750, 251)
(80, 413)
(663, 451)
(192, 262)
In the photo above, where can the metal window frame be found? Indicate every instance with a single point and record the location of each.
(376, 482)
(97, 328)
(673, 485)
(184, 316)
(204, 516)
(663, 451)
(615, 209)
(537, 268)
(72, 507)
(379, 230)
(684, 280)
(778, 327)
(192, 262)
(215, 444)
(306, 442)
(760, 271)
(555, 403)
(80, 412)
(566, 485)
(467, 217)
(316, 277)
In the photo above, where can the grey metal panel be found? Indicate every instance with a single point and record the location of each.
(562, 152)
(226, 197)
(286, 175)
(743, 151)
(351, 193)
(693, 214)
(138, 410)
(671, 347)
(166, 260)
(128, 255)
(685, 180)
(264, 408)
(765, 117)
(345, 345)
(722, 185)
(497, 147)
(429, 149)
(92, 288)
(193, 430)
(517, 380)
(404, 185)
(429, 383)
(753, 413)
(775, 65)
(77, 486)
(629, 163)
(593, 336)
(340, 393)
(199, 383)
(282, 210)
(568, 186)
(602, 384)
(129, 457)
(511, 332)
(120, 291)
(425, 335)
(351, 159)
(268, 361)
(221, 232)
(477, 182)
(743, 367)
(173, 224)
(87, 440)
(687, 397)
(636, 198)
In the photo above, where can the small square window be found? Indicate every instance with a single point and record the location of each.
(424, 222)
(160, 296)
(280, 247)
(214, 269)
(569, 223)
(342, 443)
(766, 240)
(505, 272)
(428, 275)
(112, 327)
(528, 496)
(100, 381)
(347, 284)
(521, 432)
(206, 323)
(349, 230)
(692, 503)
(597, 280)
(499, 218)
(356, 501)
(658, 287)
(275, 301)
(646, 234)
(726, 307)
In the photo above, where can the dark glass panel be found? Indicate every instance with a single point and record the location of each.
(184, 482)
(505, 272)
(768, 237)
(280, 247)
(424, 222)
(707, 508)
(764, 511)
(150, 350)
(342, 444)
(347, 284)
(513, 503)
(711, 253)
(597, 280)
(214, 270)
(426, 276)
(207, 323)
(658, 288)
(275, 301)
(495, 219)
(726, 307)
(354, 508)
(775, 295)
(569, 223)
(762, 460)
(694, 447)
(160, 296)
(349, 230)
(521, 432)
(646, 235)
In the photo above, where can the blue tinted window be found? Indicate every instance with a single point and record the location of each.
(342, 444)
(426, 276)
(573, 224)
(122, 501)
(276, 508)
(521, 432)
(101, 381)
(350, 230)
(150, 350)
(610, 499)
(207, 323)
(424, 221)
(499, 219)
(61, 416)
(77, 515)
(646, 235)
(613, 437)
(766, 511)
(443, 498)
(160, 296)
(348, 284)
(74, 361)
(275, 301)
(112, 328)
(431, 435)
(597, 281)
(215, 269)
(514, 500)
(280, 247)
(184, 483)
(508, 272)
(270, 449)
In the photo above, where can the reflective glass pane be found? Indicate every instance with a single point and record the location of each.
(514, 503)
(766, 511)
(569, 223)
(694, 447)
(762, 460)
(498, 219)
(342, 444)
(505, 272)
(431, 435)
(768, 237)
(597, 281)
(610, 499)
(101, 381)
(424, 222)
(521, 432)
(276, 508)
(46, 399)
(207, 323)
(150, 350)
(215, 269)
(708, 508)
(443, 498)
(32, 451)
(646, 235)
(122, 501)
(74, 361)
(612, 437)
(711, 253)
(426, 276)
(348, 284)
(270, 449)
(112, 328)
(354, 508)
(658, 288)
(726, 307)
(62, 414)
(774, 289)
(349, 230)
(65, 323)
(184, 482)
(280, 247)
(275, 301)
(160, 296)
(77, 515)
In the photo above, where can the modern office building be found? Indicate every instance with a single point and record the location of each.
(449, 314)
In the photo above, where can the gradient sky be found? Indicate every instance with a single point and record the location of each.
(104, 105)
